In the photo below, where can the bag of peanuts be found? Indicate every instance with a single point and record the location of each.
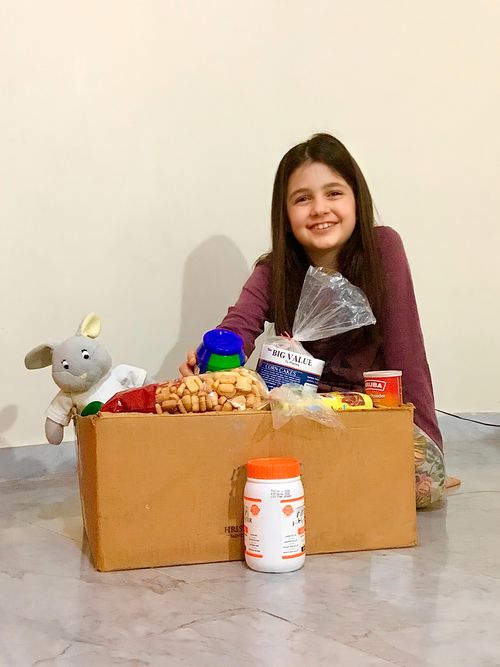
(224, 391)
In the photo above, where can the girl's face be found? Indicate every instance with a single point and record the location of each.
(322, 211)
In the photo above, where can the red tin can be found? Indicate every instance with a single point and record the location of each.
(384, 387)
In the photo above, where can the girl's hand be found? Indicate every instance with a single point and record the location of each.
(189, 366)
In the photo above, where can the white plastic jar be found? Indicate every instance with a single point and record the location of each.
(274, 515)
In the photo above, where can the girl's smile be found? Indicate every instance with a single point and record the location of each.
(322, 226)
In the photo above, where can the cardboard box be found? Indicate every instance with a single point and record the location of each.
(167, 489)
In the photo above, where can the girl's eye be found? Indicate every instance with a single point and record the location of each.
(334, 193)
(301, 199)
(85, 354)
(65, 364)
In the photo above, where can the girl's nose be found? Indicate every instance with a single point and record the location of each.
(319, 206)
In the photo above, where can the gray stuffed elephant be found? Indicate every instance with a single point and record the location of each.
(82, 369)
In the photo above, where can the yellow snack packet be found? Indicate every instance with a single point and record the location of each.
(347, 400)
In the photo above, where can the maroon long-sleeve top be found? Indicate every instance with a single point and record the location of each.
(402, 346)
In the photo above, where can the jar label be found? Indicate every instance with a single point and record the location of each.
(293, 530)
(252, 510)
(286, 513)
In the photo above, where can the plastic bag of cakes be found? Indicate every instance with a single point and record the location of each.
(225, 391)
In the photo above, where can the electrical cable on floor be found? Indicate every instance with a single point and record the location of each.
(467, 419)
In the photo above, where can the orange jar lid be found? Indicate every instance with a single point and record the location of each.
(273, 468)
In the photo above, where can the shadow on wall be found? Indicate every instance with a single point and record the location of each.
(32, 461)
(8, 417)
(37, 461)
(214, 274)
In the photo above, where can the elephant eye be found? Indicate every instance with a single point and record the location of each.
(85, 354)
(65, 364)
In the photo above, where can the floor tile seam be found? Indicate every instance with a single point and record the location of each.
(326, 635)
(89, 648)
(451, 568)
(377, 654)
(49, 530)
(41, 661)
(402, 662)
(141, 585)
(23, 524)
(300, 626)
(12, 573)
(460, 571)
(70, 474)
(220, 615)
(47, 626)
(201, 587)
(103, 644)
(465, 493)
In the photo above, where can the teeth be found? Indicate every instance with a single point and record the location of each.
(323, 225)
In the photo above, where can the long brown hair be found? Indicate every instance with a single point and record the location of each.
(358, 260)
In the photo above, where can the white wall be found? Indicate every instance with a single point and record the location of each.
(138, 144)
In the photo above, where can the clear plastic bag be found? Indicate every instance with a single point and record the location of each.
(239, 390)
(294, 400)
(328, 306)
(430, 472)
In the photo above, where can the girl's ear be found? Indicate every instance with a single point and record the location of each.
(90, 326)
(39, 357)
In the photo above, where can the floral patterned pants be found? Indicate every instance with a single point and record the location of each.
(430, 473)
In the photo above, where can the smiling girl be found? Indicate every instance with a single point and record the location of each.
(322, 214)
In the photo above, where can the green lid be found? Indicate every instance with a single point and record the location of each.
(218, 362)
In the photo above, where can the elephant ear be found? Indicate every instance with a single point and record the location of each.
(39, 357)
(90, 326)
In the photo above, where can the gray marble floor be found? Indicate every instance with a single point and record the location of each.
(437, 604)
